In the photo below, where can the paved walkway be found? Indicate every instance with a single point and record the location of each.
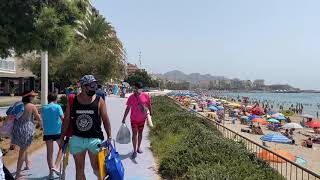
(142, 168)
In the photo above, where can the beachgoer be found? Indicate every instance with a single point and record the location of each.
(139, 103)
(52, 115)
(24, 129)
(100, 92)
(286, 133)
(317, 114)
(86, 113)
(291, 131)
(307, 143)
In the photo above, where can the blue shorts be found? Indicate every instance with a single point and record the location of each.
(80, 144)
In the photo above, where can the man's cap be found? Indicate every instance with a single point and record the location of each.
(87, 79)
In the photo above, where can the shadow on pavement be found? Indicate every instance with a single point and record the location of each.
(125, 156)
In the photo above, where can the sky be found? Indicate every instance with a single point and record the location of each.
(275, 40)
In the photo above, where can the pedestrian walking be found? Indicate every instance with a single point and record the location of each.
(52, 116)
(24, 129)
(139, 103)
(85, 116)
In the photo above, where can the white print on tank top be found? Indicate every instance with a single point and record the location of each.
(84, 122)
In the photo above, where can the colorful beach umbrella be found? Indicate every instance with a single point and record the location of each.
(220, 107)
(292, 126)
(213, 108)
(257, 111)
(273, 120)
(277, 138)
(313, 124)
(259, 120)
(281, 118)
(253, 117)
(270, 157)
(244, 117)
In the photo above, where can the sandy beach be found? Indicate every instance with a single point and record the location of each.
(309, 154)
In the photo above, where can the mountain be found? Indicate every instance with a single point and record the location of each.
(193, 77)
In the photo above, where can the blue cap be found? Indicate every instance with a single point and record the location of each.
(87, 79)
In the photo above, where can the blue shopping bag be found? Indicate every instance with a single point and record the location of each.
(113, 164)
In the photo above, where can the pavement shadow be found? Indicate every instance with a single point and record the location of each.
(125, 156)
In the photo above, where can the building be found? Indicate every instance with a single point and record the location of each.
(131, 69)
(258, 84)
(13, 79)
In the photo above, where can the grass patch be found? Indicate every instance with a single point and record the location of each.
(188, 148)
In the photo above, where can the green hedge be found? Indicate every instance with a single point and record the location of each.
(188, 148)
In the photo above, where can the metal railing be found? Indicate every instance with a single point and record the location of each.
(287, 169)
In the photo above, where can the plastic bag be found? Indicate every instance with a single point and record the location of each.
(113, 164)
(123, 135)
(149, 118)
(6, 129)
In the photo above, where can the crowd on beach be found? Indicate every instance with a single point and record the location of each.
(255, 117)
(79, 126)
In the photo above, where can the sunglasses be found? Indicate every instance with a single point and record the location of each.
(92, 85)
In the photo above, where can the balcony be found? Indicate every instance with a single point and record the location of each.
(8, 65)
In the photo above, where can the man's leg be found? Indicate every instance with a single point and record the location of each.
(134, 139)
(49, 145)
(79, 160)
(59, 156)
(94, 163)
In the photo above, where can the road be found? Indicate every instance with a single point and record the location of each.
(142, 168)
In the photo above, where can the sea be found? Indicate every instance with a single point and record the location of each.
(310, 101)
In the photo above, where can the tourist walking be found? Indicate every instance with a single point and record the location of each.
(52, 115)
(24, 129)
(139, 103)
(86, 114)
(100, 92)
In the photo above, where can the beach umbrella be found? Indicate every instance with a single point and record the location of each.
(213, 108)
(259, 120)
(273, 121)
(236, 110)
(292, 126)
(257, 111)
(277, 115)
(249, 107)
(244, 117)
(270, 157)
(253, 117)
(278, 138)
(220, 108)
(307, 116)
(281, 118)
(313, 124)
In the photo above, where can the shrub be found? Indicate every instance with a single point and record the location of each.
(188, 148)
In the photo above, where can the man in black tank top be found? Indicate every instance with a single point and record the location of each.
(85, 117)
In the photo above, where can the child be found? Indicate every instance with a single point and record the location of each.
(52, 115)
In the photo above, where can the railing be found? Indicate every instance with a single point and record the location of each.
(287, 169)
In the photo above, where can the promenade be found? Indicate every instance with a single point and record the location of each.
(142, 168)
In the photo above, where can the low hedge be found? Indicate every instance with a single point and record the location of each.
(188, 148)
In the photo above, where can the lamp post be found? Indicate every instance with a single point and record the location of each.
(44, 77)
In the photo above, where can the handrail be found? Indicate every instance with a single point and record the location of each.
(260, 146)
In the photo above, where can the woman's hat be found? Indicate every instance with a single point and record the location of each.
(29, 93)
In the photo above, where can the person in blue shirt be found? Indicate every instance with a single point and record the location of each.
(100, 92)
(52, 116)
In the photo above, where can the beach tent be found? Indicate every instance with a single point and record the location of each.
(292, 126)
(268, 156)
(278, 138)
(313, 124)
(220, 107)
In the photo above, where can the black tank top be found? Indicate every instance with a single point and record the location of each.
(86, 120)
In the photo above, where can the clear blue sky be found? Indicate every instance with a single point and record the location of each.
(276, 40)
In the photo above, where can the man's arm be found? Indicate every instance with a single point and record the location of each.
(105, 117)
(126, 114)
